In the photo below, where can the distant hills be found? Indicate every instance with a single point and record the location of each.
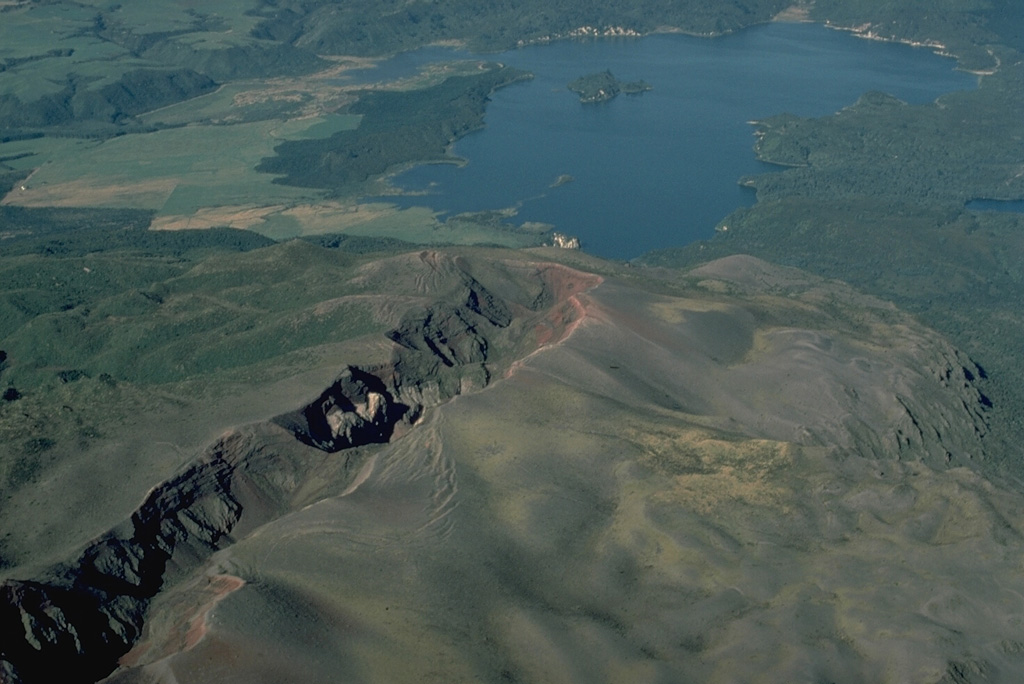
(107, 64)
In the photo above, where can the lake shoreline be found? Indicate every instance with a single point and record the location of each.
(485, 162)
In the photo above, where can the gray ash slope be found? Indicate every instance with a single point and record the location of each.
(594, 418)
(88, 613)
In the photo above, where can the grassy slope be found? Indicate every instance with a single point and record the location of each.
(601, 515)
(154, 347)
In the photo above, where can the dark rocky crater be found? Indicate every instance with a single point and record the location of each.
(82, 616)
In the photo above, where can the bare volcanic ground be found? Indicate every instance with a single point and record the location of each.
(742, 473)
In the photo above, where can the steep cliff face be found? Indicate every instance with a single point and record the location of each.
(872, 381)
(83, 616)
(357, 409)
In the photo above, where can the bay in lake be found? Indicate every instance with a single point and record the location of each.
(658, 169)
(996, 205)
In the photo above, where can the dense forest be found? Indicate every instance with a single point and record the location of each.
(365, 27)
(398, 127)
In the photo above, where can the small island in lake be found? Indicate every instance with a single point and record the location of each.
(603, 86)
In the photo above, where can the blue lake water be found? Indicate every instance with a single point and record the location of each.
(996, 205)
(661, 168)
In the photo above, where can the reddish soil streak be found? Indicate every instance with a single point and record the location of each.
(568, 311)
(560, 322)
(191, 628)
(221, 586)
(571, 307)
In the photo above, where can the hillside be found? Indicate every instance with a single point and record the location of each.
(572, 447)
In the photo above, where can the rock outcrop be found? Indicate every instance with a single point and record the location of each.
(85, 615)
(356, 410)
(81, 617)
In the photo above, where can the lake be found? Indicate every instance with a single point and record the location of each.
(658, 169)
(996, 205)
